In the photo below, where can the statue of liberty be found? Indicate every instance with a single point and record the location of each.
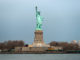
(39, 20)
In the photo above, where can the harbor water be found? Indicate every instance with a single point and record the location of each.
(39, 56)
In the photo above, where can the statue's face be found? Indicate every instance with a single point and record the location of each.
(38, 12)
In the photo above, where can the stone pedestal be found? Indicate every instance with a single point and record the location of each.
(38, 39)
(38, 36)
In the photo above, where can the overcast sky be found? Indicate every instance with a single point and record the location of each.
(61, 20)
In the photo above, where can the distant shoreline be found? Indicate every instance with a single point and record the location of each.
(34, 53)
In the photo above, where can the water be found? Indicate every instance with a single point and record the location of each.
(39, 56)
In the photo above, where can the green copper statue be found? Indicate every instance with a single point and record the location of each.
(39, 20)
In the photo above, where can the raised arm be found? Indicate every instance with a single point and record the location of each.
(36, 9)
